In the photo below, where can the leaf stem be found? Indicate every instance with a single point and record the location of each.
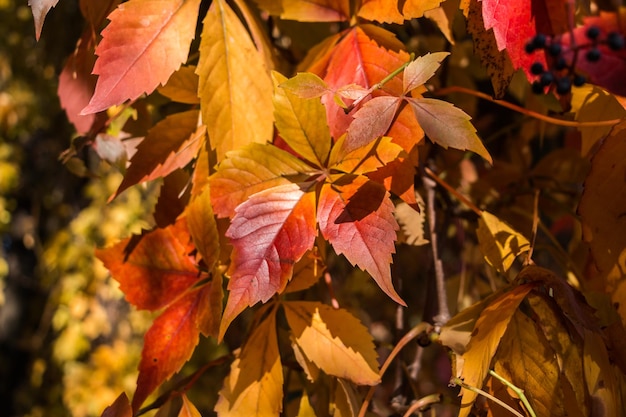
(422, 403)
(411, 334)
(526, 112)
(454, 192)
(516, 390)
(459, 382)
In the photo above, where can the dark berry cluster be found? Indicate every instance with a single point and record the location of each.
(561, 74)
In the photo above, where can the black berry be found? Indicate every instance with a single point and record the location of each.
(546, 78)
(529, 48)
(563, 85)
(560, 64)
(593, 55)
(555, 49)
(615, 41)
(579, 80)
(537, 68)
(539, 41)
(537, 87)
(593, 32)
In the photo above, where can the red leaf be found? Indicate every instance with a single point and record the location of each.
(156, 271)
(270, 232)
(358, 59)
(40, 10)
(76, 85)
(146, 41)
(515, 22)
(169, 343)
(357, 219)
(120, 408)
(171, 144)
(609, 70)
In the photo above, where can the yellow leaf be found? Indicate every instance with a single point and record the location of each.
(346, 402)
(255, 384)
(182, 86)
(188, 409)
(203, 228)
(334, 340)
(600, 377)
(305, 409)
(417, 8)
(235, 88)
(499, 242)
(488, 331)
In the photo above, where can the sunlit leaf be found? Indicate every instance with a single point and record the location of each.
(203, 229)
(371, 121)
(182, 86)
(306, 273)
(146, 41)
(412, 223)
(169, 343)
(365, 159)
(384, 11)
(308, 11)
(270, 232)
(188, 409)
(154, 271)
(447, 126)
(305, 85)
(255, 384)
(499, 243)
(235, 88)
(301, 123)
(40, 10)
(171, 144)
(488, 330)
(417, 8)
(333, 340)
(250, 170)
(357, 219)
(421, 70)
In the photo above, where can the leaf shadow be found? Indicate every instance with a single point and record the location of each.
(367, 199)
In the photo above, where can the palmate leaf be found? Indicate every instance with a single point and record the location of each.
(421, 70)
(235, 88)
(249, 170)
(371, 121)
(301, 123)
(270, 232)
(356, 216)
(447, 126)
(334, 340)
(146, 41)
(254, 386)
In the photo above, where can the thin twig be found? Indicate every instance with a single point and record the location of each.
(411, 334)
(516, 390)
(526, 112)
(423, 403)
(443, 314)
(533, 238)
(454, 192)
(459, 382)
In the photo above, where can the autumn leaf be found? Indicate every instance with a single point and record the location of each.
(334, 340)
(365, 159)
(356, 218)
(301, 123)
(421, 70)
(182, 86)
(188, 409)
(488, 330)
(235, 88)
(40, 9)
(384, 11)
(203, 228)
(170, 144)
(499, 243)
(411, 223)
(447, 126)
(169, 343)
(146, 41)
(249, 170)
(119, 408)
(270, 232)
(254, 386)
(153, 272)
(371, 121)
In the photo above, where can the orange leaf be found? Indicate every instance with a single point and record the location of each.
(384, 11)
(270, 232)
(235, 88)
(356, 217)
(171, 144)
(334, 340)
(188, 409)
(249, 170)
(169, 343)
(308, 11)
(365, 159)
(144, 44)
(203, 228)
(156, 270)
(182, 86)
(119, 408)
(371, 121)
(40, 10)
